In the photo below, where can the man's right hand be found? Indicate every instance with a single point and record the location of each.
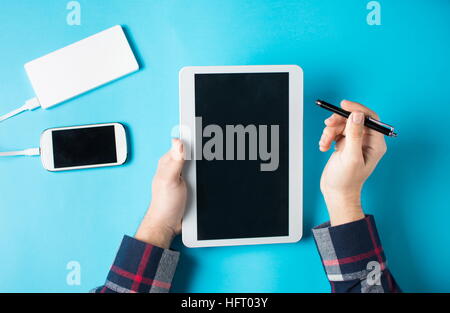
(358, 150)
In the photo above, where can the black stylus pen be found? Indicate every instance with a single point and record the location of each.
(369, 122)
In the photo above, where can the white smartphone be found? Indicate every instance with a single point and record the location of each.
(86, 146)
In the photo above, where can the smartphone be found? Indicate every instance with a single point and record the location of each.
(86, 146)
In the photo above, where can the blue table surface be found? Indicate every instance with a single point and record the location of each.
(399, 68)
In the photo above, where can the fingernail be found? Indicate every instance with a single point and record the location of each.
(177, 150)
(177, 146)
(357, 117)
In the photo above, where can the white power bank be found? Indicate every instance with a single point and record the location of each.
(82, 66)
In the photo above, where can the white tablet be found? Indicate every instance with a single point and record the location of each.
(243, 131)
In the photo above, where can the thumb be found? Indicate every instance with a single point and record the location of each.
(354, 131)
(171, 164)
(177, 151)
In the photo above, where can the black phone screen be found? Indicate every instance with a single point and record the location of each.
(84, 146)
(235, 198)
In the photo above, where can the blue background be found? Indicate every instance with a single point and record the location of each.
(400, 69)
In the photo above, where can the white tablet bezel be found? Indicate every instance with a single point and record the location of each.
(187, 134)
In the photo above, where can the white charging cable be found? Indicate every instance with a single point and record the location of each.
(26, 152)
(29, 105)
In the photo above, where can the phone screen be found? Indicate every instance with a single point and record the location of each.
(84, 146)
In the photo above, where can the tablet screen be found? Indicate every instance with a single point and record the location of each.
(242, 161)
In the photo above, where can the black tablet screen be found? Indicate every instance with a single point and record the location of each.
(242, 122)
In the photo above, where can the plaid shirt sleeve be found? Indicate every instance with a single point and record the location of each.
(140, 268)
(353, 257)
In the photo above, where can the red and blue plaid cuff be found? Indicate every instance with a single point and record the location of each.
(140, 268)
(353, 257)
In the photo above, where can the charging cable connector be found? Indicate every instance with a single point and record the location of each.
(26, 152)
(29, 105)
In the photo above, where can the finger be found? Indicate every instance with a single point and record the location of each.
(354, 131)
(374, 147)
(340, 143)
(177, 150)
(376, 138)
(355, 106)
(335, 120)
(171, 164)
(329, 135)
